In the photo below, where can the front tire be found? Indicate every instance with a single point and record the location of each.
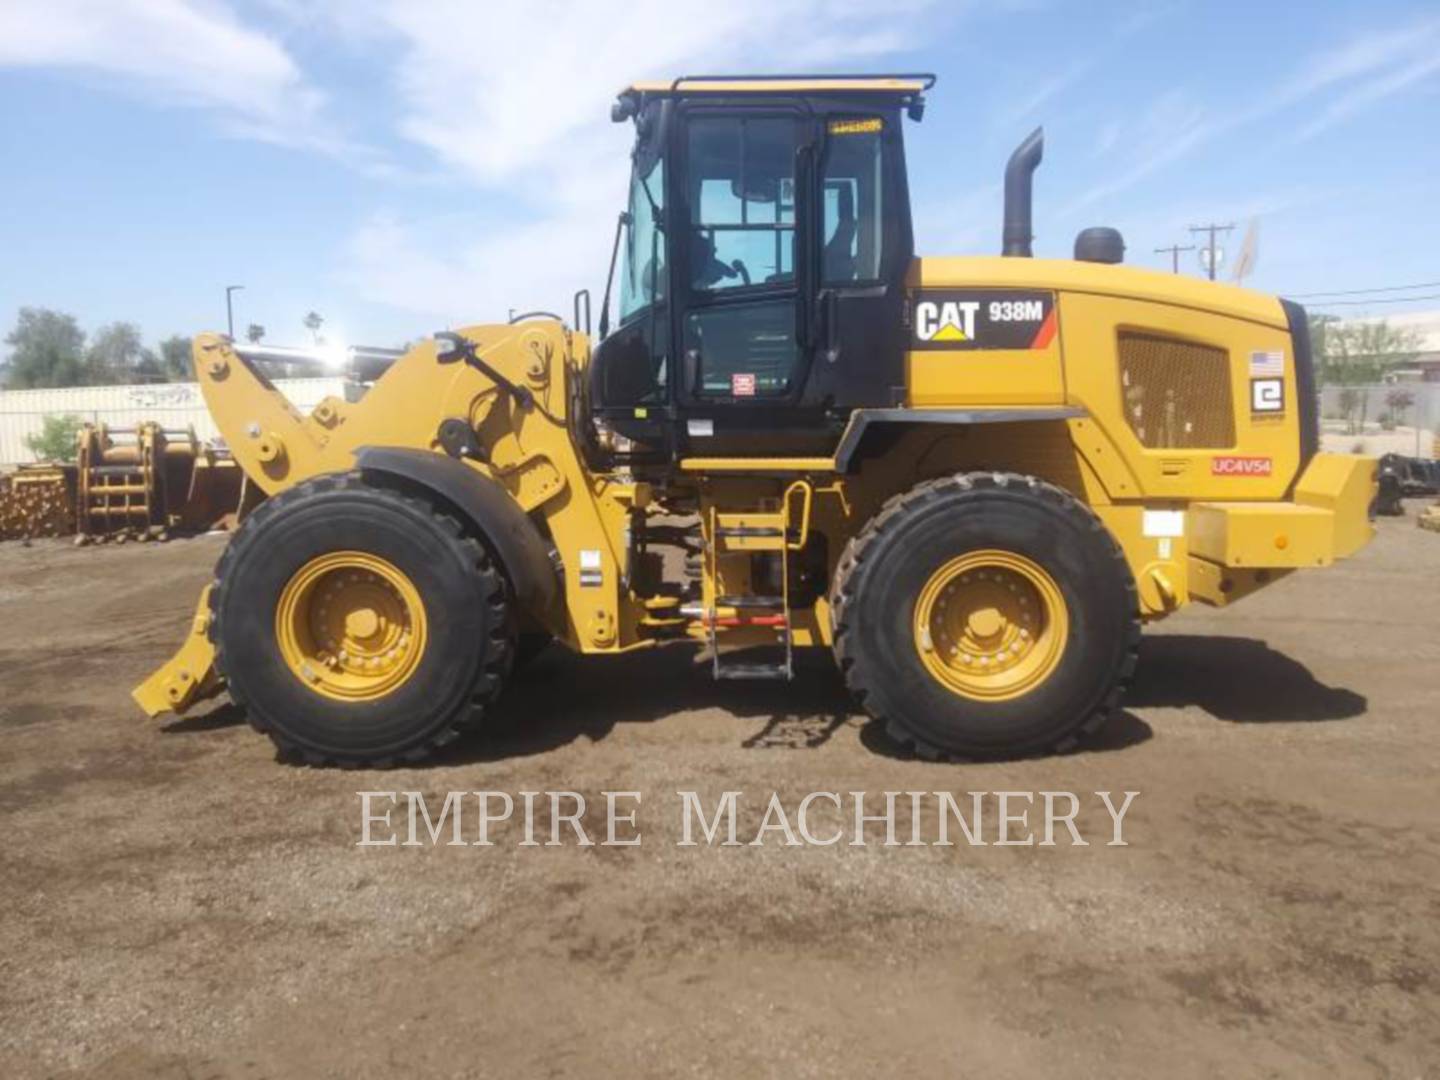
(359, 625)
(986, 615)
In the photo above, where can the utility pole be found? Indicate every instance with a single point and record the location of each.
(1211, 230)
(230, 309)
(1174, 252)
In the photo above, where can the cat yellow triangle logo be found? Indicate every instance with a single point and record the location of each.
(951, 321)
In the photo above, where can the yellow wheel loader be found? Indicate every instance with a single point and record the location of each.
(972, 479)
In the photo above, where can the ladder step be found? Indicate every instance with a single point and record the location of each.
(749, 530)
(753, 671)
(778, 622)
(770, 603)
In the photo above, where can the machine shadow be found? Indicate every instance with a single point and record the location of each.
(561, 697)
(225, 714)
(1124, 730)
(1241, 680)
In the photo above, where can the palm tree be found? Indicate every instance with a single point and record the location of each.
(313, 322)
(254, 332)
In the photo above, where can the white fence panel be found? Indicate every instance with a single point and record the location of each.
(176, 405)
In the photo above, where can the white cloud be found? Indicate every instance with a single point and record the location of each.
(1388, 62)
(1359, 57)
(494, 111)
(1370, 92)
(1169, 129)
(179, 52)
(962, 221)
(1044, 91)
(1107, 138)
(527, 119)
(512, 98)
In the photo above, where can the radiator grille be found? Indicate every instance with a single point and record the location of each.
(1177, 393)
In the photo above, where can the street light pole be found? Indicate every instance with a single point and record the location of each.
(230, 309)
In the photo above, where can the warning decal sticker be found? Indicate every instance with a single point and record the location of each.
(974, 319)
(865, 126)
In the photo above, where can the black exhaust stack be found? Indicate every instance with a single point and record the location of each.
(1018, 174)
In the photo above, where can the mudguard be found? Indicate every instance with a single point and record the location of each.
(516, 542)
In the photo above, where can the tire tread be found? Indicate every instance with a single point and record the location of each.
(490, 676)
(861, 548)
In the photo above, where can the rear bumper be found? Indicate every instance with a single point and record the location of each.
(1234, 547)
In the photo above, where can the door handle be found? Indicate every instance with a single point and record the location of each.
(690, 370)
(830, 329)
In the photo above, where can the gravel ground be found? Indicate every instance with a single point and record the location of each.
(178, 904)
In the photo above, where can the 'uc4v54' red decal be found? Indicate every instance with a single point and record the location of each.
(1241, 466)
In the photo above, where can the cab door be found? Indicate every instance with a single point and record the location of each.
(864, 249)
(739, 234)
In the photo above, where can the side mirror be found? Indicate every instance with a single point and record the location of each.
(449, 347)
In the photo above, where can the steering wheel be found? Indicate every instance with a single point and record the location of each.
(738, 267)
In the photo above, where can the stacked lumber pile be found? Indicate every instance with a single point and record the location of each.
(37, 500)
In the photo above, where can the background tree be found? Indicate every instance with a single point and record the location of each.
(118, 355)
(1349, 404)
(313, 321)
(46, 349)
(1359, 354)
(1398, 401)
(175, 359)
(56, 439)
(1319, 338)
(254, 332)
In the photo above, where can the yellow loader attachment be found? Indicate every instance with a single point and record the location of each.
(187, 677)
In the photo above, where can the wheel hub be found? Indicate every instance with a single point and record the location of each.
(351, 625)
(991, 625)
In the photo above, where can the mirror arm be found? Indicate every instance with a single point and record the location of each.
(466, 350)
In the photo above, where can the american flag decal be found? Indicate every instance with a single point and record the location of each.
(1267, 365)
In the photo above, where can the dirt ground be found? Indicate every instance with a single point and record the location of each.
(177, 904)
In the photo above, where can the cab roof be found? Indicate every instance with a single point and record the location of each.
(901, 85)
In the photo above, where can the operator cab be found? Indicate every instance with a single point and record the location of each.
(761, 263)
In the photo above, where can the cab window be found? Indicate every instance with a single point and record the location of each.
(642, 279)
(742, 202)
(852, 180)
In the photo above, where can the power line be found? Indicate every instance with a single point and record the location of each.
(1174, 252)
(1211, 229)
(1382, 288)
(1379, 300)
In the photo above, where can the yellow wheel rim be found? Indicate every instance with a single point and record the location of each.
(991, 625)
(350, 626)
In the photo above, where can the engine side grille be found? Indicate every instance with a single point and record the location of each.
(1176, 393)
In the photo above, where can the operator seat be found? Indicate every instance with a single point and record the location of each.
(840, 248)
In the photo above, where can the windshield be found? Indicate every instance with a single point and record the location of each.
(642, 276)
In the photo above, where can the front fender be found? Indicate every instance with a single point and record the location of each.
(516, 542)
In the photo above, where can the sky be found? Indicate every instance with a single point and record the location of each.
(405, 165)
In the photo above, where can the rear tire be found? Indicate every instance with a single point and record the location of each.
(952, 575)
(333, 565)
